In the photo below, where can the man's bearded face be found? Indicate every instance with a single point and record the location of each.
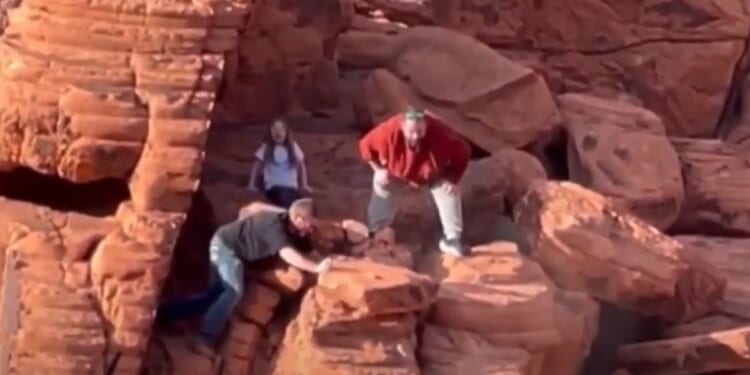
(414, 131)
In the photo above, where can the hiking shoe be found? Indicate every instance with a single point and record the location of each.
(201, 345)
(454, 247)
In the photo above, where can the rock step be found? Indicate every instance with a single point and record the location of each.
(493, 291)
(700, 354)
(469, 354)
(135, 71)
(46, 363)
(59, 330)
(729, 256)
(35, 24)
(716, 175)
(368, 288)
(224, 13)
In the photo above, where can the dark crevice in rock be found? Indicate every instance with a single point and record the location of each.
(730, 114)
(98, 198)
(617, 327)
(477, 153)
(552, 152)
(189, 270)
(605, 51)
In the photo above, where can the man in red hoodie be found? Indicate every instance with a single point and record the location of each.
(416, 149)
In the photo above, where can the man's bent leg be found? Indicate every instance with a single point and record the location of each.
(451, 218)
(189, 306)
(382, 208)
(230, 274)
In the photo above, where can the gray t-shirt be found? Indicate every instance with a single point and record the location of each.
(260, 235)
(279, 171)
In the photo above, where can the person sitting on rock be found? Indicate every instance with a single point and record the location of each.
(283, 165)
(257, 236)
(416, 149)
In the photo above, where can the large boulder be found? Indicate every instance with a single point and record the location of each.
(497, 310)
(584, 243)
(621, 150)
(614, 48)
(490, 100)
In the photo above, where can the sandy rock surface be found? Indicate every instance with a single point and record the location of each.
(605, 202)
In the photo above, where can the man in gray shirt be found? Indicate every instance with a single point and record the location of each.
(259, 235)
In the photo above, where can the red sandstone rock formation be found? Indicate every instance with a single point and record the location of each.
(677, 58)
(488, 99)
(621, 151)
(95, 91)
(586, 244)
(286, 62)
(125, 91)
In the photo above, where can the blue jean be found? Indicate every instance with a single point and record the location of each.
(222, 296)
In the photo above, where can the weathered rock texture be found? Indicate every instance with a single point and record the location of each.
(357, 322)
(612, 48)
(95, 91)
(586, 244)
(286, 62)
(485, 97)
(730, 257)
(497, 311)
(621, 151)
(715, 174)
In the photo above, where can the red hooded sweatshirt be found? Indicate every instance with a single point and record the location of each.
(442, 153)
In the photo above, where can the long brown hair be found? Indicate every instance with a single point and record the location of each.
(288, 143)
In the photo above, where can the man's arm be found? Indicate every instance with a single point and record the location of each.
(373, 145)
(293, 257)
(280, 242)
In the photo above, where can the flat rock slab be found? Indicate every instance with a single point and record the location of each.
(448, 352)
(494, 291)
(701, 354)
(586, 244)
(705, 326)
(370, 288)
(731, 257)
(715, 174)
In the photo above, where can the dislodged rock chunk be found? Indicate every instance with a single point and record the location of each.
(362, 346)
(372, 288)
(585, 244)
(702, 354)
(621, 151)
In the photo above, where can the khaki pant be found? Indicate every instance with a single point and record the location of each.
(382, 208)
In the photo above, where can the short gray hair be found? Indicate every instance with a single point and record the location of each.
(302, 207)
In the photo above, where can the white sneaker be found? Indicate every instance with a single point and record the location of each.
(453, 247)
